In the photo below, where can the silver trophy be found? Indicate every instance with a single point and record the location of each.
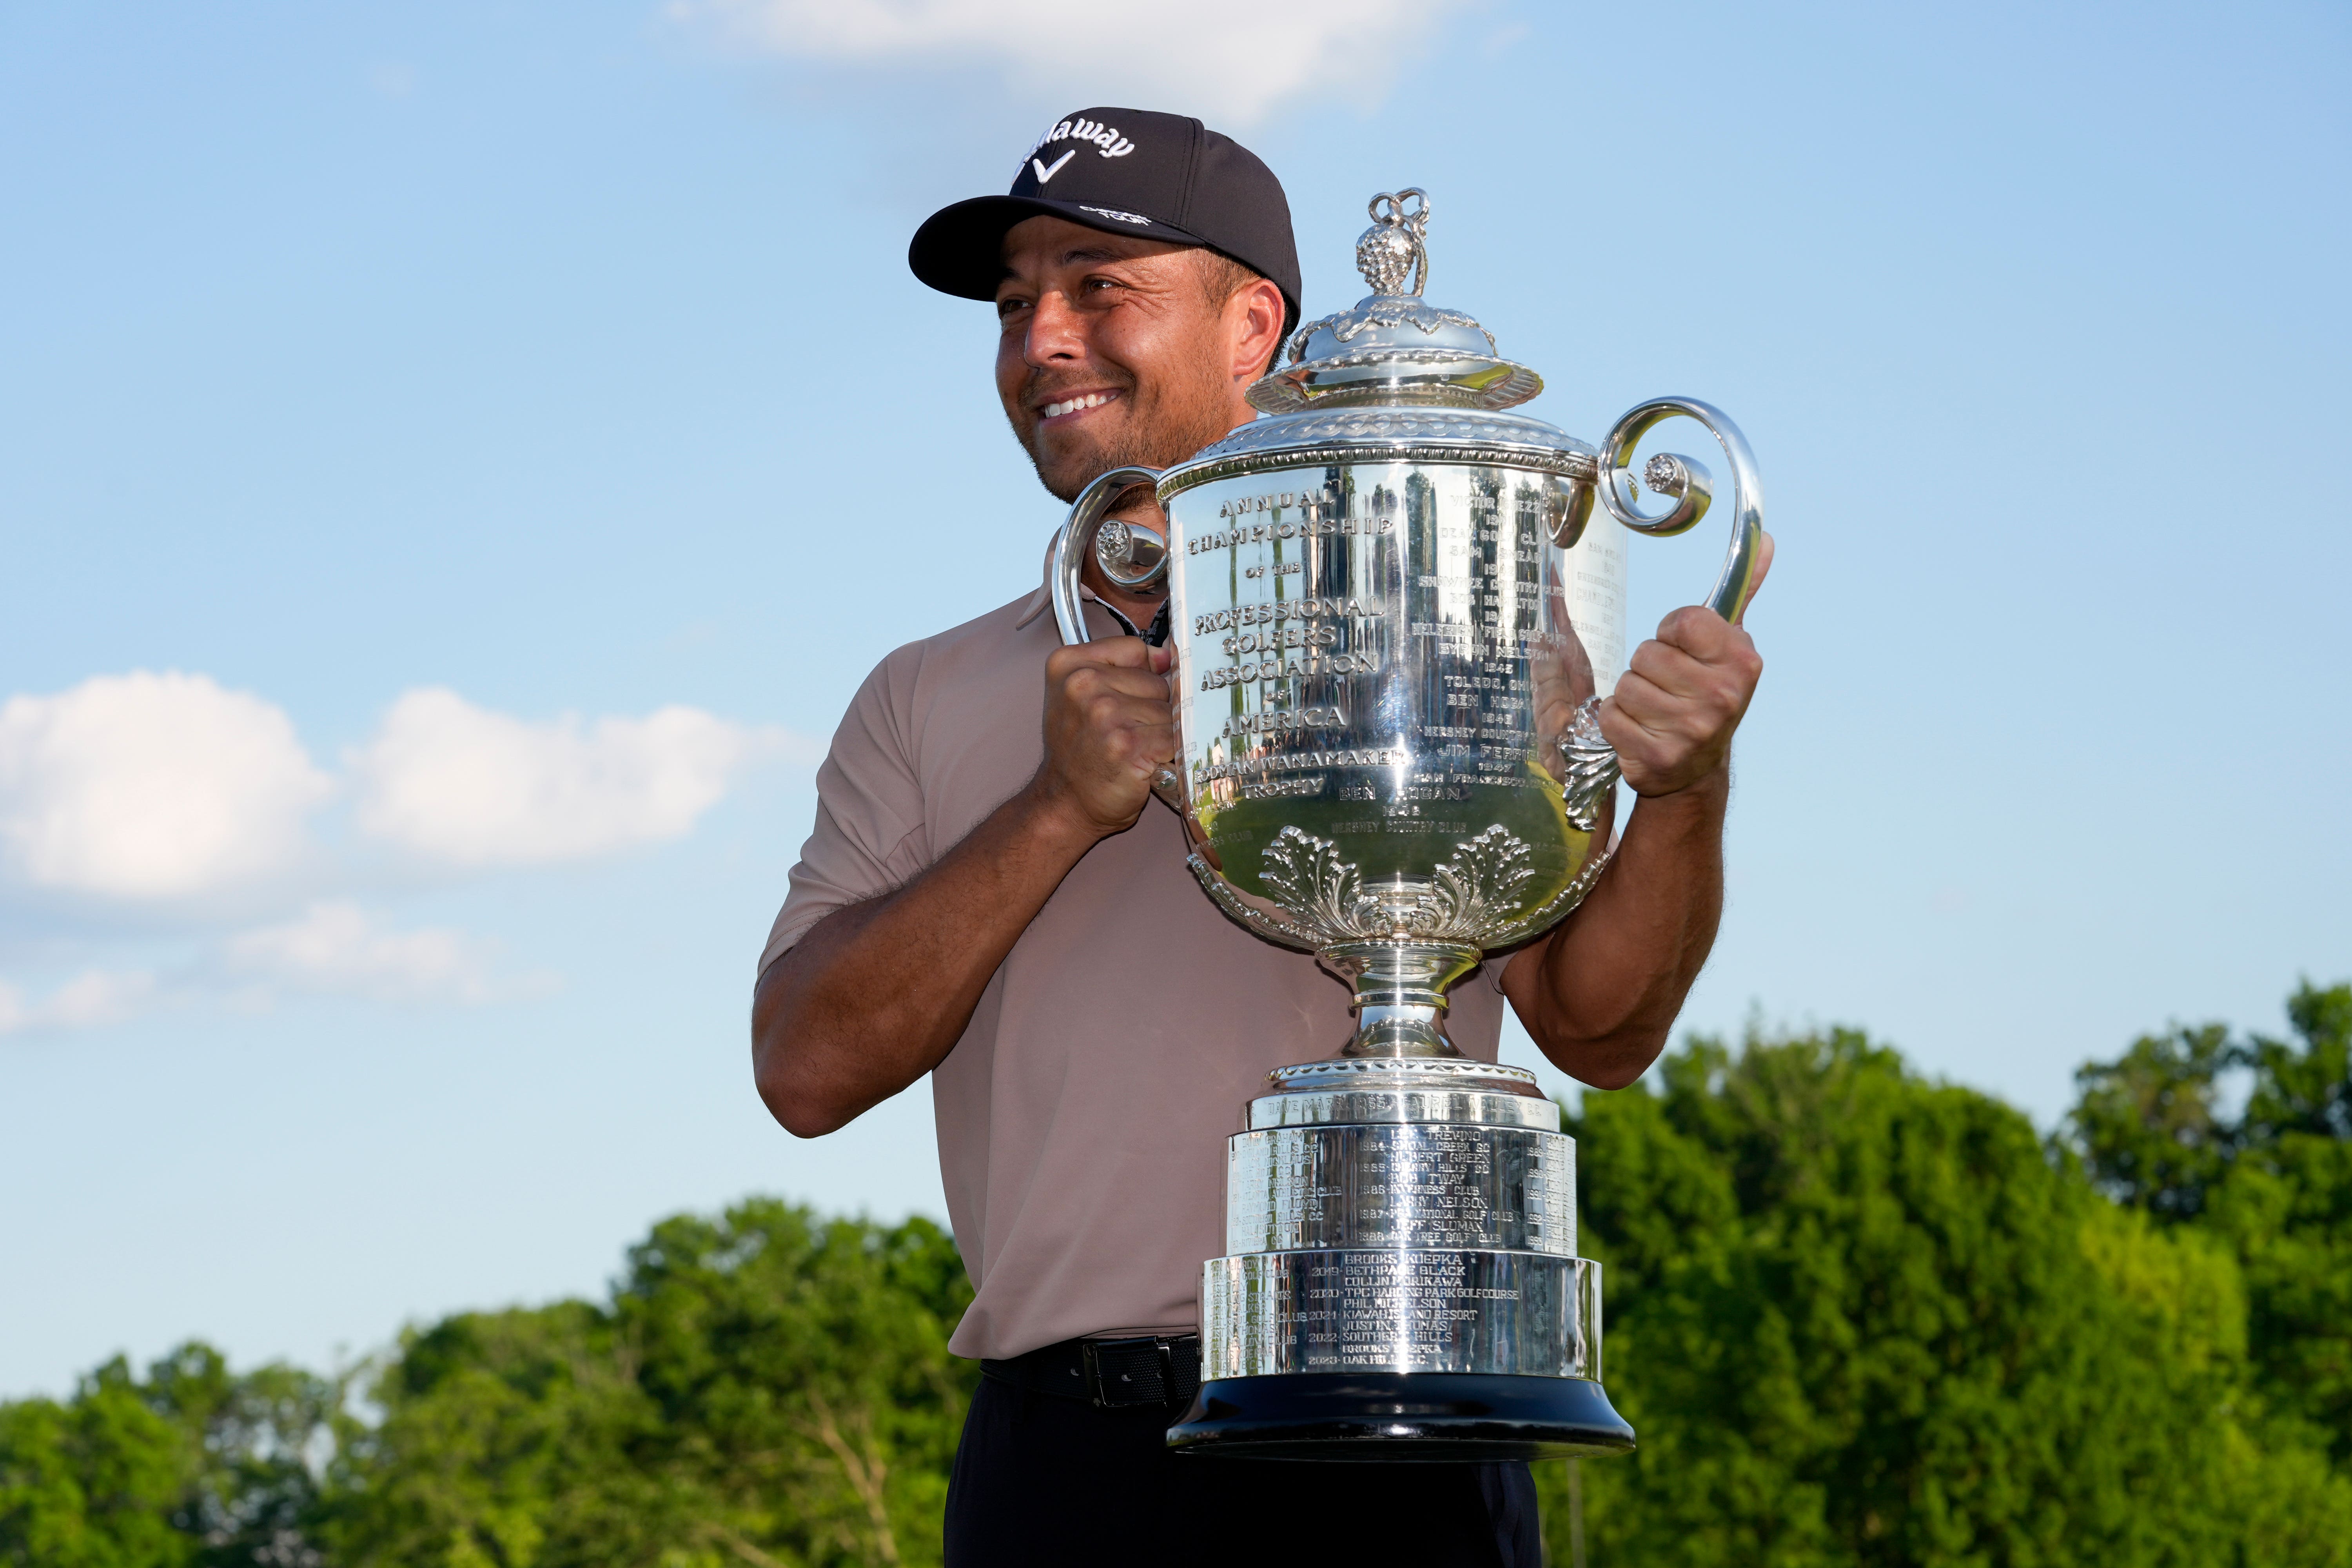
(1394, 617)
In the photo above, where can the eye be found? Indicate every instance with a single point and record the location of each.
(1010, 305)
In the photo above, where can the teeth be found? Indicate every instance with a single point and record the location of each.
(1091, 400)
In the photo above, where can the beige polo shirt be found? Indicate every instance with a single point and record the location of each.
(1083, 1114)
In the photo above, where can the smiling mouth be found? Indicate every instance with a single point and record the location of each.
(1077, 404)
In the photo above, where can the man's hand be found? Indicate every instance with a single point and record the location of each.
(1109, 729)
(1682, 695)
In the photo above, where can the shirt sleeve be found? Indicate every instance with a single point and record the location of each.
(870, 835)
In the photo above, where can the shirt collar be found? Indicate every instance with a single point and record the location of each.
(1039, 600)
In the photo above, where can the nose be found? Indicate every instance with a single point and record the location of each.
(1056, 335)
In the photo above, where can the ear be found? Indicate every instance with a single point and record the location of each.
(1254, 315)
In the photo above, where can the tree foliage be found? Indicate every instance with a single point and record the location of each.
(2271, 1183)
(192, 1468)
(1857, 1317)
(764, 1388)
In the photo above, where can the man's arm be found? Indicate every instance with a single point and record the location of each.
(877, 993)
(1598, 994)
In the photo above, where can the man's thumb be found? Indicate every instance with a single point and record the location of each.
(1763, 570)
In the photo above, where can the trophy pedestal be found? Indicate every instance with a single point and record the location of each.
(1402, 1281)
(1402, 1415)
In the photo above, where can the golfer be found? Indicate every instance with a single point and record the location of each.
(991, 896)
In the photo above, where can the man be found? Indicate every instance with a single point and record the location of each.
(996, 902)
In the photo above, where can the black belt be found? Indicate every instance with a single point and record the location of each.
(1110, 1374)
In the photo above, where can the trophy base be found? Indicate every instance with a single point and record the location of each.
(1410, 1416)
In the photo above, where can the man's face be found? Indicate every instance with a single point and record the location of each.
(1111, 352)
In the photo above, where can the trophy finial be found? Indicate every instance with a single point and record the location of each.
(1397, 243)
(1394, 348)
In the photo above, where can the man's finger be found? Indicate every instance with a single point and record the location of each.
(1145, 748)
(1092, 679)
(1699, 632)
(1670, 668)
(1143, 727)
(1139, 714)
(1131, 653)
(1105, 714)
(1635, 744)
(1642, 705)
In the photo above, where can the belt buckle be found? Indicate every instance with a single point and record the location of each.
(1100, 1377)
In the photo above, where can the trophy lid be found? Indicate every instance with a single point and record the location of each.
(1395, 375)
(1394, 348)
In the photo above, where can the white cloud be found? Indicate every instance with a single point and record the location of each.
(333, 947)
(336, 946)
(151, 786)
(1229, 60)
(147, 788)
(93, 997)
(462, 784)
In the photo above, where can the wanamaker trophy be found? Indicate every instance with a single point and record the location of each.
(1394, 617)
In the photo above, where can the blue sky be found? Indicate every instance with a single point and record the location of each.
(456, 461)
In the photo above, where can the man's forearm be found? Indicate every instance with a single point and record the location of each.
(876, 994)
(1599, 993)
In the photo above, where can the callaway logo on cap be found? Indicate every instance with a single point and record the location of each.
(1124, 170)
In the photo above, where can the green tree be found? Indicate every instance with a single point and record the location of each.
(763, 1388)
(192, 1467)
(1859, 1318)
(260, 1441)
(2302, 1085)
(496, 1427)
(2147, 1125)
(92, 1482)
(2288, 1210)
(2273, 1183)
(813, 1361)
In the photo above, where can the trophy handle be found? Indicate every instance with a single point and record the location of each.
(1589, 763)
(1142, 560)
(1692, 488)
(1068, 562)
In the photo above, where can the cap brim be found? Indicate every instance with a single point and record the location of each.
(960, 249)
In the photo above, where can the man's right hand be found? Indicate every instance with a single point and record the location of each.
(1109, 729)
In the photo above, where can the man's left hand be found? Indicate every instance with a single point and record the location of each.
(1679, 702)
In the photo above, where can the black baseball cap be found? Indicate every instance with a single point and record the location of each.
(1123, 171)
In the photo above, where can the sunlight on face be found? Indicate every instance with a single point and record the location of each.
(1112, 351)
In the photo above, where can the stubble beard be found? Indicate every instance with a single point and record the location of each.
(1180, 425)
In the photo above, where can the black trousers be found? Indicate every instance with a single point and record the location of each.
(1044, 1481)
